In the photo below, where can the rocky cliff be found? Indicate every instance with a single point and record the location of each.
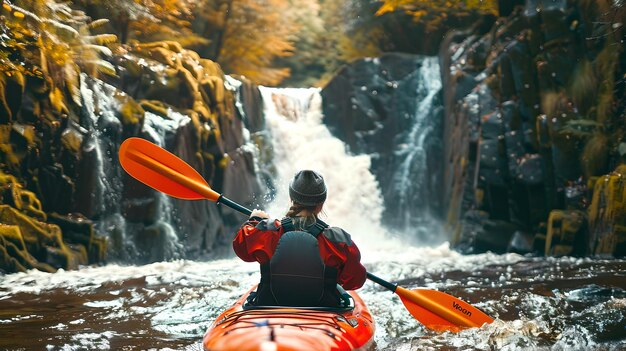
(64, 199)
(534, 130)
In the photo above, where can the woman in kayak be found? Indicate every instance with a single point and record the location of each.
(302, 259)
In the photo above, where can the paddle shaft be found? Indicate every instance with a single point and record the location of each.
(387, 285)
(232, 204)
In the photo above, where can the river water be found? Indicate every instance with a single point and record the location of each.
(538, 303)
(557, 304)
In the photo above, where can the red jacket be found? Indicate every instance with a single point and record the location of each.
(257, 240)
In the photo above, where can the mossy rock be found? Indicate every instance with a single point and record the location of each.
(13, 254)
(165, 56)
(190, 61)
(189, 88)
(8, 156)
(132, 113)
(6, 179)
(157, 107)
(72, 140)
(566, 231)
(24, 200)
(203, 111)
(170, 45)
(37, 235)
(215, 89)
(28, 241)
(607, 212)
(212, 68)
(164, 87)
(131, 66)
(23, 138)
(12, 234)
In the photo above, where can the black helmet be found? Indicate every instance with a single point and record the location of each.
(307, 188)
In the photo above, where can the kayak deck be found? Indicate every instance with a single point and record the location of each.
(288, 328)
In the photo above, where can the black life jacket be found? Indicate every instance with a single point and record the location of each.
(296, 274)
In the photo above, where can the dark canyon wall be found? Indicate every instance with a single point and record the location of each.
(534, 131)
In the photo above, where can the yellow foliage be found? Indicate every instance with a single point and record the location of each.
(51, 40)
(433, 12)
(248, 36)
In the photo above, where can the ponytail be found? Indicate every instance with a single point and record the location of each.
(302, 222)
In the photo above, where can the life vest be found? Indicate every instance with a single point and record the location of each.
(296, 274)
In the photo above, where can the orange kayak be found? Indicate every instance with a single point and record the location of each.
(291, 329)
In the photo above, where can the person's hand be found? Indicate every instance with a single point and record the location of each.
(259, 213)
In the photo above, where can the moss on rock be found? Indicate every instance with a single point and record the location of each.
(131, 111)
(607, 214)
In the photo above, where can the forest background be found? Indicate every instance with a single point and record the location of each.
(270, 42)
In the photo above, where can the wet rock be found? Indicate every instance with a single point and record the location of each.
(12, 86)
(58, 189)
(252, 107)
(538, 71)
(371, 105)
(521, 243)
(151, 244)
(79, 230)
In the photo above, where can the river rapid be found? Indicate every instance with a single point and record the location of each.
(551, 304)
(538, 303)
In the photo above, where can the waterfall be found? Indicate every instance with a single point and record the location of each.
(413, 181)
(157, 127)
(300, 141)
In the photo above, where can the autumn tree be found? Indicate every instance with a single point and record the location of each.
(316, 41)
(53, 42)
(246, 36)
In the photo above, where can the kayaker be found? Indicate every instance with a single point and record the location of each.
(302, 260)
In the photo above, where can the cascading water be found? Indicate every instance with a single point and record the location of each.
(412, 180)
(157, 127)
(538, 303)
(103, 130)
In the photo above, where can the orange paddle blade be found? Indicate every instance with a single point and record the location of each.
(163, 171)
(440, 311)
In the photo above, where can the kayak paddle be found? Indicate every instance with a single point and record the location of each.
(435, 309)
(163, 171)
